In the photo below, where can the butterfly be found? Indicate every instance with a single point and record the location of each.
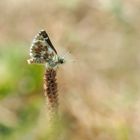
(43, 52)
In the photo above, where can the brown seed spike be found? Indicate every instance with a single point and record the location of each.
(50, 88)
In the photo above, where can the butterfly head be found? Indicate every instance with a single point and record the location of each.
(61, 60)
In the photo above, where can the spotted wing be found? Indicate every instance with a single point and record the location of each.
(47, 39)
(42, 50)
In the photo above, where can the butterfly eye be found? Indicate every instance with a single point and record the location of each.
(61, 60)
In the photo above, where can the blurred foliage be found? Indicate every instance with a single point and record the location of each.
(20, 81)
(16, 75)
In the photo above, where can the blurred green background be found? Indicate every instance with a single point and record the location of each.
(99, 85)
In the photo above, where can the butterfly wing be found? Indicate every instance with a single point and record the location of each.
(47, 39)
(42, 50)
